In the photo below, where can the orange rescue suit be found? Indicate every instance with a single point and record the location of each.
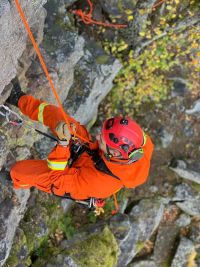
(82, 180)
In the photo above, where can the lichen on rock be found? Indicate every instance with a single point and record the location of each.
(100, 250)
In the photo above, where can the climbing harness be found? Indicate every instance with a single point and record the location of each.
(92, 203)
(87, 18)
(21, 13)
(76, 150)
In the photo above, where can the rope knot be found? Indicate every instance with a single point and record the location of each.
(87, 18)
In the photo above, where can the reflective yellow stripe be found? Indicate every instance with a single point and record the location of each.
(144, 139)
(40, 112)
(24, 185)
(57, 165)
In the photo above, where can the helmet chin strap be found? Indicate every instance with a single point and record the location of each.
(108, 155)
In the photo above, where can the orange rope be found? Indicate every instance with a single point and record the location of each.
(116, 204)
(87, 18)
(45, 68)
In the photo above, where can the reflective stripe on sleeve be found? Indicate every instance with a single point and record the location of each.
(24, 185)
(57, 165)
(40, 112)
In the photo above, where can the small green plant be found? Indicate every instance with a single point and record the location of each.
(39, 252)
(67, 226)
(144, 78)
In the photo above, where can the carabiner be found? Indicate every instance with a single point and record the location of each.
(7, 113)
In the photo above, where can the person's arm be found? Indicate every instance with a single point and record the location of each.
(49, 115)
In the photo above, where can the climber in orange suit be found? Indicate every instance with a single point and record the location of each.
(120, 156)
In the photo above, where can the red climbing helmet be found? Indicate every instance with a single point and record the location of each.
(123, 134)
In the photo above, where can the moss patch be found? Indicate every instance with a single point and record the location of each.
(99, 251)
(19, 252)
(103, 59)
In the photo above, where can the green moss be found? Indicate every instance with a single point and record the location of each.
(139, 245)
(66, 225)
(166, 264)
(44, 255)
(19, 245)
(99, 251)
(196, 187)
(39, 222)
(103, 59)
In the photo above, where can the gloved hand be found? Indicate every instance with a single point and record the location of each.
(63, 131)
(16, 93)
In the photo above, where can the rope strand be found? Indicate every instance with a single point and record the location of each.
(21, 13)
(87, 18)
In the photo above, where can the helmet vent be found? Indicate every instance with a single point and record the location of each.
(125, 147)
(124, 122)
(113, 138)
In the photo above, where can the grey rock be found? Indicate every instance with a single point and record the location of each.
(166, 137)
(143, 263)
(179, 87)
(9, 221)
(15, 58)
(13, 38)
(22, 153)
(116, 8)
(82, 73)
(188, 199)
(188, 129)
(195, 232)
(3, 148)
(94, 74)
(184, 172)
(165, 242)
(195, 110)
(68, 261)
(120, 226)
(14, 49)
(62, 50)
(63, 261)
(19, 250)
(185, 248)
(103, 246)
(136, 229)
(44, 147)
(6, 185)
(66, 204)
(185, 191)
(183, 221)
(153, 189)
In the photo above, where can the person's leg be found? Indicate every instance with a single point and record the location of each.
(28, 173)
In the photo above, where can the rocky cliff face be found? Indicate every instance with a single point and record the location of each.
(158, 223)
(71, 59)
